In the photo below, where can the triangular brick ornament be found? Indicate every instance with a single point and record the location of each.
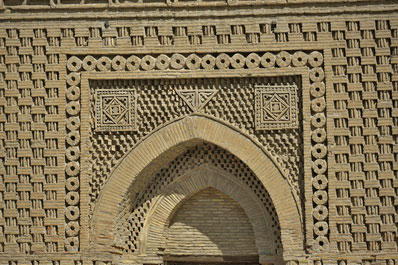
(189, 97)
(197, 99)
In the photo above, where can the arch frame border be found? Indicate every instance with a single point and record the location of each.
(303, 72)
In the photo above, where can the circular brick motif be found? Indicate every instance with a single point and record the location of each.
(72, 168)
(253, 60)
(148, 62)
(73, 123)
(162, 62)
(238, 61)
(118, 63)
(320, 212)
(177, 61)
(73, 93)
(321, 228)
(300, 59)
(315, 59)
(73, 108)
(89, 63)
(193, 62)
(317, 89)
(133, 63)
(72, 243)
(74, 64)
(318, 135)
(283, 59)
(72, 213)
(319, 166)
(208, 62)
(104, 64)
(72, 198)
(319, 151)
(320, 197)
(320, 182)
(73, 138)
(316, 74)
(318, 120)
(268, 60)
(318, 104)
(72, 229)
(72, 153)
(321, 243)
(223, 61)
(73, 79)
(72, 183)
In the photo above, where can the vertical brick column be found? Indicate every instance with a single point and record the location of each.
(387, 229)
(338, 162)
(394, 114)
(3, 86)
(25, 154)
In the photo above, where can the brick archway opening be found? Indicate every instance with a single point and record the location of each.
(209, 216)
(176, 137)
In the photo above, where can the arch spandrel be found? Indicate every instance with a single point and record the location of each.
(182, 133)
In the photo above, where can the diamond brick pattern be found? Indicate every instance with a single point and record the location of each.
(276, 107)
(115, 110)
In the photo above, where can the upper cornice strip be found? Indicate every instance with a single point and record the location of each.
(193, 9)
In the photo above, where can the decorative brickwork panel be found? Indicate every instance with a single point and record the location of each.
(80, 91)
(115, 110)
(196, 99)
(276, 107)
(237, 92)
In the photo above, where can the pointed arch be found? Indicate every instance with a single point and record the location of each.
(167, 204)
(152, 153)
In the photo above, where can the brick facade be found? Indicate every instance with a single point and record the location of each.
(114, 114)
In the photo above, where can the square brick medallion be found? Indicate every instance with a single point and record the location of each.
(276, 107)
(115, 110)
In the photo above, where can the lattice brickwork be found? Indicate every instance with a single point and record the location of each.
(137, 207)
(364, 135)
(155, 95)
(32, 138)
(353, 186)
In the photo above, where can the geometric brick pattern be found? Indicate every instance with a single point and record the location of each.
(205, 154)
(196, 99)
(115, 110)
(349, 201)
(365, 153)
(276, 107)
(163, 93)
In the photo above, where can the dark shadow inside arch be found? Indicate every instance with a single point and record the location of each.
(166, 169)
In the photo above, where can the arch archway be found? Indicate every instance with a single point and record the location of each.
(149, 154)
(202, 177)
